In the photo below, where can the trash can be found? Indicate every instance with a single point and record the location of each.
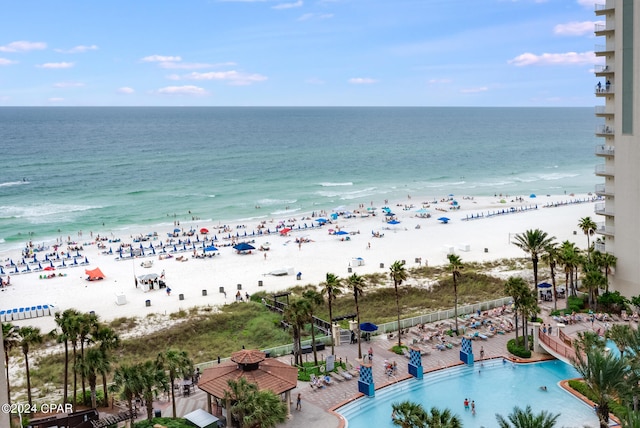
(259, 283)
(147, 302)
(222, 289)
(299, 276)
(157, 413)
(486, 250)
(239, 286)
(204, 292)
(381, 265)
(180, 296)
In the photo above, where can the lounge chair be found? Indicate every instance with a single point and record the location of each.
(352, 371)
(337, 377)
(344, 374)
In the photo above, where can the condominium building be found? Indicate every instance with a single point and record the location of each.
(618, 92)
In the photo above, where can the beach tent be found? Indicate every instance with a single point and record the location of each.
(94, 274)
(243, 246)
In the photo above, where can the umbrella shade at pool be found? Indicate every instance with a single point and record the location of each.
(368, 326)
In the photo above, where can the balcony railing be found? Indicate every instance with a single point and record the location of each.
(603, 190)
(600, 246)
(601, 69)
(604, 130)
(602, 150)
(603, 49)
(601, 28)
(603, 229)
(603, 7)
(603, 110)
(604, 170)
(603, 89)
(602, 209)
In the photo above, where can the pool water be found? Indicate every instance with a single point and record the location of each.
(495, 386)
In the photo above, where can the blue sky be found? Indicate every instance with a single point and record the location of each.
(297, 53)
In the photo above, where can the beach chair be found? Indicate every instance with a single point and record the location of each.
(336, 377)
(344, 374)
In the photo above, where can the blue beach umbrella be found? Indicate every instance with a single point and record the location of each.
(342, 232)
(243, 246)
(393, 222)
(368, 326)
(210, 248)
(445, 220)
(544, 285)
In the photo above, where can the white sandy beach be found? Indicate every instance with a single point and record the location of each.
(324, 253)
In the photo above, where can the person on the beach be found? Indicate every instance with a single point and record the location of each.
(168, 291)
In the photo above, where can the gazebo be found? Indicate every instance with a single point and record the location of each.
(253, 365)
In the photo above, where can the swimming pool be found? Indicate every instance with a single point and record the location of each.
(496, 387)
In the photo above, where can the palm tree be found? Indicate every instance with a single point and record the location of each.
(94, 361)
(570, 258)
(314, 299)
(437, 418)
(151, 377)
(526, 419)
(127, 380)
(28, 336)
(107, 340)
(455, 266)
(606, 261)
(533, 242)
(357, 284)
(604, 376)
(87, 323)
(622, 336)
(408, 414)
(296, 315)
(331, 289)
(588, 227)
(10, 340)
(253, 408)
(398, 273)
(176, 363)
(516, 287)
(551, 257)
(593, 279)
(64, 321)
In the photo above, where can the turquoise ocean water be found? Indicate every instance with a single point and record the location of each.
(115, 169)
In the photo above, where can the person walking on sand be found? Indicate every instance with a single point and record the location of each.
(299, 402)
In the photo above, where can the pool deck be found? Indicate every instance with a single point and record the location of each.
(318, 404)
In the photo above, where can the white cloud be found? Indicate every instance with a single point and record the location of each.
(23, 46)
(586, 3)
(68, 85)
(576, 28)
(315, 81)
(287, 5)
(439, 81)
(56, 65)
(161, 58)
(125, 90)
(78, 49)
(184, 65)
(308, 16)
(4, 61)
(362, 80)
(568, 58)
(474, 90)
(55, 100)
(231, 76)
(182, 90)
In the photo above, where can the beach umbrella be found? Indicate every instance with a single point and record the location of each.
(204, 230)
(342, 232)
(533, 195)
(285, 231)
(321, 220)
(444, 220)
(368, 326)
(1, 271)
(50, 263)
(210, 248)
(393, 222)
(243, 246)
(49, 268)
(389, 214)
(544, 285)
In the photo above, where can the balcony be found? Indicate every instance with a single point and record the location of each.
(602, 190)
(604, 130)
(604, 171)
(603, 29)
(600, 246)
(603, 8)
(602, 209)
(602, 90)
(602, 150)
(603, 229)
(602, 70)
(603, 50)
(604, 111)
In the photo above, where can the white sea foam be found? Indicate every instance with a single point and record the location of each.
(289, 211)
(43, 213)
(13, 183)
(269, 202)
(329, 184)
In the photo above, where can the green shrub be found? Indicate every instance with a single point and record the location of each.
(614, 407)
(165, 422)
(399, 349)
(518, 349)
(575, 304)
